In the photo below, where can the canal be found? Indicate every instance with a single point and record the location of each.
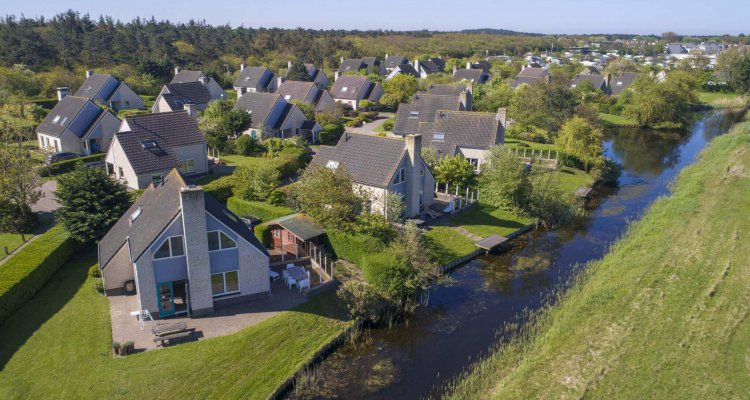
(464, 316)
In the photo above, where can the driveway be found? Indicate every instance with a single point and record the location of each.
(369, 128)
(47, 204)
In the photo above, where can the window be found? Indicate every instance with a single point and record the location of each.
(57, 118)
(344, 89)
(63, 121)
(156, 179)
(122, 173)
(421, 198)
(413, 114)
(421, 171)
(287, 97)
(474, 162)
(225, 283)
(290, 237)
(400, 176)
(172, 247)
(135, 214)
(187, 166)
(332, 164)
(218, 240)
(277, 233)
(439, 136)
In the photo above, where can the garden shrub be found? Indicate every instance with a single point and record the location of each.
(64, 166)
(353, 247)
(221, 188)
(263, 233)
(27, 271)
(386, 272)
(256, 209)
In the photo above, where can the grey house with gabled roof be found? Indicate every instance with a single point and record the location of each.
(470, 75)
(174, 97)
(393, 61)
(379, 165)
(316, 75)
(272, 116)
(530, 75)
(255, 79)
(465, 92)
(184, 251)
(620, 83)
(307, 92)
(350, 90)
(598, 82)
(105, 89)
(371, 65)
(423, 108)
(213, 87)
(148, 146)
(469, 134)
(77, 125)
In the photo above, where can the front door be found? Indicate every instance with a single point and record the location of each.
(165, 297)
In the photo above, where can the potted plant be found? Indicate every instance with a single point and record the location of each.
(130, 346)
(116, 348)
(124, 349)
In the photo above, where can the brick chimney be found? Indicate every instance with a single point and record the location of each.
(89, 72)
(177, 70)
(413, 177)
(203, 80)
(242, 67)
(468, 65)
(62, 92)
(502, 119)
(191, 109)
(336, 76)
(193, 208)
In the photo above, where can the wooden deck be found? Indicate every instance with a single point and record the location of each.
(491, 242)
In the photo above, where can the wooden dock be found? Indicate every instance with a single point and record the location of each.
(491, 242)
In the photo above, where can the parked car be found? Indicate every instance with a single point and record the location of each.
(59, 156)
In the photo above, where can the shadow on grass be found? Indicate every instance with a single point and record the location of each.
(482, 216)
(53, 296)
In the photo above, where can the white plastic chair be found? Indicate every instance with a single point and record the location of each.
(289, 266)
(291, 282)
(305, 283)
(274, 275)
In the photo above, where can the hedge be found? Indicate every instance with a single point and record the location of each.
(263, 233)
(220, 188)
(353, 247)
(27, 271)
(257, 209)
(64, 166)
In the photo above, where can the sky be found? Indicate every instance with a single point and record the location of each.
(686, 17)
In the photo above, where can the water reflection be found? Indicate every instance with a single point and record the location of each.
(462, 320)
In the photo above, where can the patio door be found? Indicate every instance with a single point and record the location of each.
(165, 297)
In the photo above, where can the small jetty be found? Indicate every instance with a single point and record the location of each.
(491, 242)
(583, 192)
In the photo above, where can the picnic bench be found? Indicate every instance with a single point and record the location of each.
(175, 336)
(171, 332)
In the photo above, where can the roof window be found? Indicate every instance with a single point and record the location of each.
(135, 214)
(438, 136)
(413, 114)
(148, 144)
(332, 164)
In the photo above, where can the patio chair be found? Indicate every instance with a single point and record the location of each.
(274, 275)
(305, 283)
(289, 266)
(291, 282)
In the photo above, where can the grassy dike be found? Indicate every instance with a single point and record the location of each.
(663, 315)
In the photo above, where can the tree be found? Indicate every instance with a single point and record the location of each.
(327, 195)
(365, 104)
(257, 183)
(91, 203)
(581, 140)
(455, 170)
(298, 72)
(399, 89)
(503, 180)
(560, 105)
(492, 95)
(528, 106)
(247, 145)
(666, 103)
(219, 121)
(734, 65)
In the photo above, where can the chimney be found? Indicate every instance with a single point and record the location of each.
(279, 81)
(468, 65)
(203, 80)
(288, 65)
(416, 65)
(89, 72)
(470, 87)
(336, 76)
(193, 208)
(177, 70)
(413, 177)
(386, 56)
(62, 92)
(242, 67)
(455, 68)
(342, 59)
(502, 119)
(191, 109)
(606, 79)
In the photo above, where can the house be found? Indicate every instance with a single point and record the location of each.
(598, 82)
(371, 65)
(675, 49)
(76, 125)
(106, 90)
(184, 252)
(174, 96)
(185, 76)
(351, 89)
(307, 92)
(272, 116)
(465, 93)
(316, 75)
(255, 79)
(407, 69)
(294, 235)
(148, 146)
(469, 134)
(619, 83)
(423, 108)
(530, 75)
(391, 62)
(429, 66)
(379, 166)
(470, 75)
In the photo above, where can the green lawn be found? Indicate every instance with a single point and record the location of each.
(615, 120)
(249, 161)
(11, 241)
(722, 100)
(486, 220)
(58, 346)
(571, 179)
(525, 144)
(231, 94)
(446, 244)
(663, 315)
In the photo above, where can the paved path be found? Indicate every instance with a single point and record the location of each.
(369, 128)
(47, 203)
(466, 233)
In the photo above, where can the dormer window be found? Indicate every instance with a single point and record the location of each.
(438, 136)
(135, 214)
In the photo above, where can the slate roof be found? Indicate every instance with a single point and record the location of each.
(596, 80)
(473, 75)
(62, 115)
(94, 84)
(159, 206)
(533, 72)
(426, 105)
(460, 129)
(258, 104)
(354, 85)
(186, 93)
(187, 76)
(433, 65)
(285, 113)
(352, 64)
(296, 90)
(253, 77)
(453, 90)
(408, 69)
(590, 70)
(395, 61)
(300, 225)
(676, 48)
(619, 83)
(369, 160)
(167, 130)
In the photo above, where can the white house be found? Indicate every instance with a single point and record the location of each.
(185, 76)
(107, 90)
(351, 90)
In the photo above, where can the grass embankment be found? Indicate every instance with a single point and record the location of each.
(9, 242)
(613, 120)
(663, 315)
(722, 100)
(65, 331)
